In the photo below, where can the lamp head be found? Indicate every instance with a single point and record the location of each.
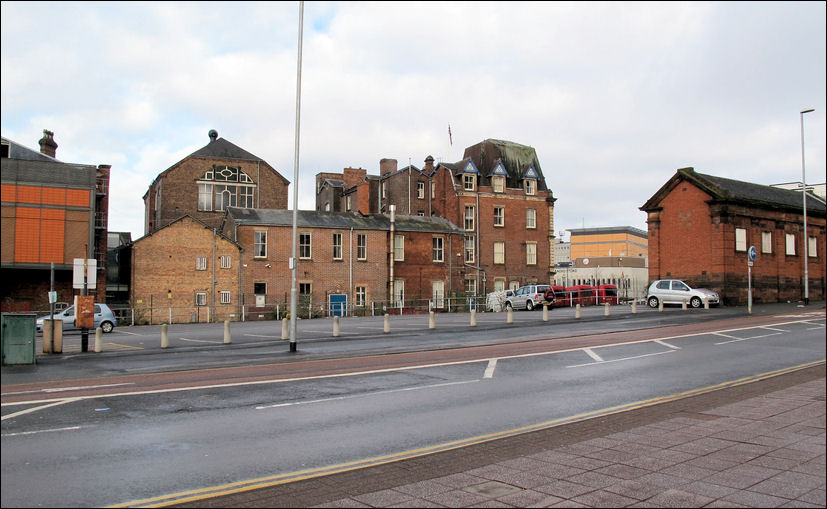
(808, 110)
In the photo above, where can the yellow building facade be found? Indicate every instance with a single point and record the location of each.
(610, 241)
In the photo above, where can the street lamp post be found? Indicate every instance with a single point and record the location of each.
(806, 253)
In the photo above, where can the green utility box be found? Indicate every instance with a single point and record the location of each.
(18, 338)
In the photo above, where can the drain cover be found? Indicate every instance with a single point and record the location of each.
(493, 489)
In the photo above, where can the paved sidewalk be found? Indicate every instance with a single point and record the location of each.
(757, 445)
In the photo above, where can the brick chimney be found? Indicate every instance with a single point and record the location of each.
(47, 144)
(387, 166)
(429, 165)
(352, 176)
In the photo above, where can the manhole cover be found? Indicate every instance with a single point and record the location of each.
(493, 489)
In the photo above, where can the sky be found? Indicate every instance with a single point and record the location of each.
(614, 97)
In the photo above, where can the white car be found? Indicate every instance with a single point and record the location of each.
(675, 291)
(527, 297)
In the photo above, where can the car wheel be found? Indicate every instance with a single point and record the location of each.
(695, 302)
(529, 305)
(507, 306)
(107, 327)
(653, 302)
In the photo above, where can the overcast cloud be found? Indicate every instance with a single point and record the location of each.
(614, 96)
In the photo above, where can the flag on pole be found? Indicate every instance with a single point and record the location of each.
(450, 139)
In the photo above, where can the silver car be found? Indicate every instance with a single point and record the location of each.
(675, 291)
(527, 297)
(104, 318)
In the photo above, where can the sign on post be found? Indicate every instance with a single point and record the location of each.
(85, 311)
(91, 273)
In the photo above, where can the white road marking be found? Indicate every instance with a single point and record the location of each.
(201, 341)
(593, 355)
(664, 343)
(746, 339)
(38, 408)
(70, 428)
(489, 371)
(618, 360)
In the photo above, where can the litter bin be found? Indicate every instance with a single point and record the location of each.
(18, 338)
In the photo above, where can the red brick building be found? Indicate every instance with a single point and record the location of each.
(496, 195)
(344, 255)
(206, 182)
(701, 227)
(52, 212)
(172, 273)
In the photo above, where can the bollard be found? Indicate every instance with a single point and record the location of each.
(660, 305)
(387, 323)
(227, 339)
(634, 307)
(606, 311)
(545, 312)
(683, 304)
(577, 310)
(706, 303)
(284, 333)
(48, 327)
(164, 335)
(509, 316)
(98, 340)
(473, 318)
(57, 342)
(335, 326)
(431, 320)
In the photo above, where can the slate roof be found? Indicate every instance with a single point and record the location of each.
(223, 149)
(516, 159)
(27, 165)
(339, 220)
(737, 191)
(22, 153)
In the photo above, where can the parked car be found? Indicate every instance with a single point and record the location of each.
(495, 301)
(527, 297)
(104, 318)
(675, 291)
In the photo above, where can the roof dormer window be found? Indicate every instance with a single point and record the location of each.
(469, 181)
(530, 186)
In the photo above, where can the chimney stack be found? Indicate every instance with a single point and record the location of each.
(387, 166)
(47, 144)
(429, 165)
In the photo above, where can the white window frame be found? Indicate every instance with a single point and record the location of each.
(200, 299)
(260, 244)
(433, 189)
(469, 218)
(530, 219)
(226, 261)
(337, 246)
(790, 240)
(306, 246)
(530, 186)
(471, 286)
(812, 247)
(225, 297)
(348, 203)
(766, 242)
(399, 248)
(398, 292)
(205, 192)
(469, 182)
(498, 183)
(438, 294)
(531, 253)
(420, 190)
(438, 251)
(499, 219)
(740, 239)
(499, 252)
(469, 248)
(201, 263)
(361, 246)
(361, 296)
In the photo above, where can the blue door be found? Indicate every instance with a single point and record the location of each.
(337, 304)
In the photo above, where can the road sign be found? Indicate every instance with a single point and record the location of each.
(91, 273)
(753, 253)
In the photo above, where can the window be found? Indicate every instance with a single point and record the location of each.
(337, 246)
(531, 253)
(499, 216)
(327, 206)
(766, 242)
(471, 286)
(245, 197)
(498, 183)
(348, 203)
(433, 189)
(740, 239)
(201, 263)
(399, 248)
(530, 187)
(812, 249)
(226, 262)
(225, 297)
(790, 244)
(236, 189)
(469, 181)
(384, 190)
(260, 288)
(204, 197)
(420, 190)
(439, 255)
(260, 244)
(361, 246)
(499, 252)
(469, 249)
(225, 196)
(304, 246)
(398, 292)
(305, 289)
(420, 213)
(530, 219)
(438, 294)
(201, 299)
(469, 217)
(361, 296)
(499, 285)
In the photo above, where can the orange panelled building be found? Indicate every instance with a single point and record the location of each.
(52, 213)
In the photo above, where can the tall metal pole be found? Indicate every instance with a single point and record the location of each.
(805, 255)
(294, 259)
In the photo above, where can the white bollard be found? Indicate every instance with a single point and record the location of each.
(660, 306)
(431, 320)
(227, 339)
(335, 326)
(606, 311)
(706, 303)
(98, 340)
(284, 333)
(683, 305)
(57, 341)
(387, 328)
(577, 310)
(545, 312)
(48, 327)
(164, 335)
(509, 316)
(634, 307)
(473, 318)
